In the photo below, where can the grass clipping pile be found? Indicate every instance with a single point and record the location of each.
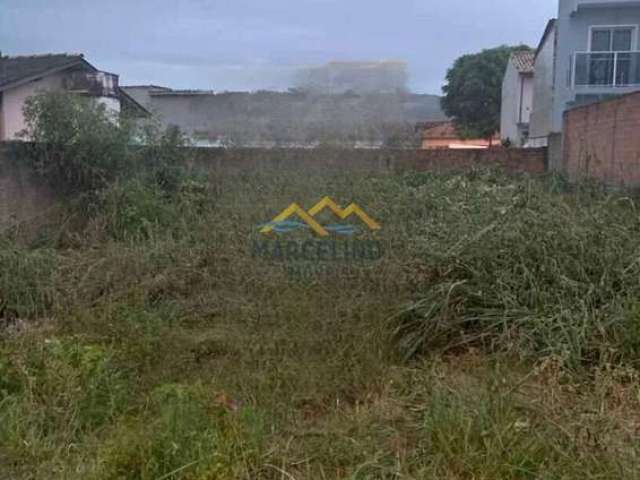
(498, 337)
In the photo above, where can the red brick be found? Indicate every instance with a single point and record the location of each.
(602, 141)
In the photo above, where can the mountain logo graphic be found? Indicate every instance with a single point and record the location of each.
(283, 223)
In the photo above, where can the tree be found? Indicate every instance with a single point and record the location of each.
(77, 145)
(80, 147)
(473, 93)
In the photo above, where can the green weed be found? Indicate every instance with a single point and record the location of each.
(158, 346)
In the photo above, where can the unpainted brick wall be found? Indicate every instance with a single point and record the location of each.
(385, 160)
(23, 198)
(512, 160)
(554, 153)
(602, 141)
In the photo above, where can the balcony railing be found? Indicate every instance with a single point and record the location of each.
(606, 69)
(98, 84)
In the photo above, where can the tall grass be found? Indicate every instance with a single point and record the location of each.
(183, 434)
(516, 267)
(155, 345)
(26, 281)
(53, 393)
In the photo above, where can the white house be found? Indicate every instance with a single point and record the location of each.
(24, 76)
(589, 53)
(517, 98)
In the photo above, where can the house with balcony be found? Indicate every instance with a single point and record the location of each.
(22, 77)
(589, 53)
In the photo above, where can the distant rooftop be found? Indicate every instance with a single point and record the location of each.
(168, 91)
(18, 70)
(441, 130)
(22, 68)
(151, 87)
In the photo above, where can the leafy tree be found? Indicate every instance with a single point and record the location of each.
(78, 145)
(473, 92)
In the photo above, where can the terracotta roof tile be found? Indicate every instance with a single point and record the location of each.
(524, 61)
(440, 130)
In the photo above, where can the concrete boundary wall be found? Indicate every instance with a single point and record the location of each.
(383, 161)
(24, 198)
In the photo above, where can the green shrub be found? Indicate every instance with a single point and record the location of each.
(163, 156)
(52, 393)
(481, 427)
(26, 281)
(481, 435)
(139, 209)
(184, 434)
(78, 146)
(136, 209)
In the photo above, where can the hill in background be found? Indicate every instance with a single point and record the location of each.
(293, 118)
(360, 77)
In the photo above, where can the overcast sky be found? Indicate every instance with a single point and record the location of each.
(259, 44)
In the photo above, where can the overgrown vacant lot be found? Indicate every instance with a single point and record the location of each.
(498, 338)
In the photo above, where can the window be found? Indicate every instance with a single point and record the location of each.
(612, 39)
(609, 64)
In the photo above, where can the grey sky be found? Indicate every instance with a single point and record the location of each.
(258, 44)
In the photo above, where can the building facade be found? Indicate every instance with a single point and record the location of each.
(598, 52)
(517, 98)
(541, 120)
(591, 52)
(22, 77)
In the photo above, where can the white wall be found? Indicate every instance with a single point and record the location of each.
(510, 104)
(13, 102)
(527, 98)
(517, 98)
(540, 125)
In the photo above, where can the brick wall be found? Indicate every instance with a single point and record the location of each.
(602, 141)
(23, 198)
(513, 160)
(554, 152)
(242, 160)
